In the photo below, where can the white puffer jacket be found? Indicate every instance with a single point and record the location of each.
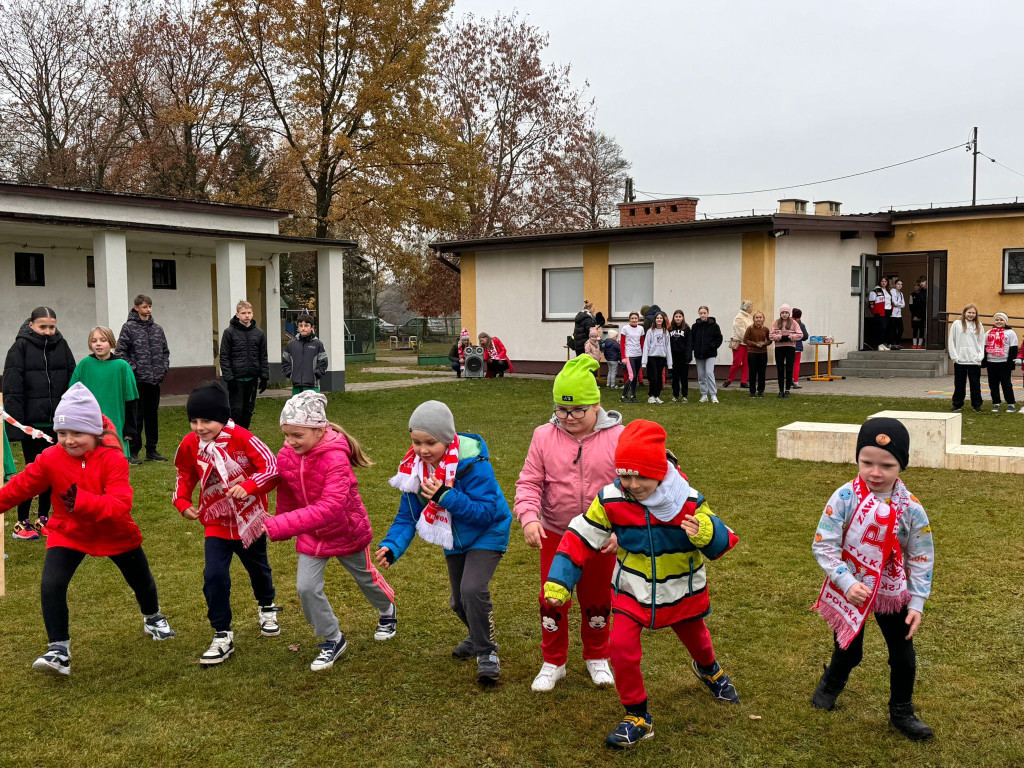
(966, 348)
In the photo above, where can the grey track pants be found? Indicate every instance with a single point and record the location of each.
(706, 376)
(470, 574)
(315, 605)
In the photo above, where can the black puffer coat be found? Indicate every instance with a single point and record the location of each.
(144, 346)
(582, 324)
(243, 352)
(706, 338)
(36, 375)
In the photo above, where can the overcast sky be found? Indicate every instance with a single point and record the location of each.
(733, 96)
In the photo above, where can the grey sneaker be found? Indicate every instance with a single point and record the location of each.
(463, 651)
(157, 627)
(488, 668)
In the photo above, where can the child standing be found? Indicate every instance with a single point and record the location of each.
(757, 341)
(967, 349)
(92, 516)
(304, 359)
(874, 543)
(234, 472)
(243, 363)
(798, 318)
(707, 338)
(451, 498)
(784, 333)
(1001, 347)
(570, 459)
(653, 511)
(657, 357)
(632, 343)
(457, 354)
(110, 380)
(612, 356)
(592, 346)
(37, 373)
(318, 502)
(919, 312)
(682, 353)
(899, 301)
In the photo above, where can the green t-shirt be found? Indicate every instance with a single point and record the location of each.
(112, 383)
(9, 468)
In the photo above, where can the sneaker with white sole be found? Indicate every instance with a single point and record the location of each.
(24, 531)
(548, 676)
(330, 650)
(682, 399)
(1011, 408)
(600, 672)
(658, 400)
(703, 398)
(387, 626)
(714, 398)
(267, 615)
(157, 627)
(220, 649)
(995, 407)
(651, 400)
(56, 660)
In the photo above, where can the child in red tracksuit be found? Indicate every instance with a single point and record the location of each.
(570, 459)
(92, 515)
(665, 530)
(235, 471)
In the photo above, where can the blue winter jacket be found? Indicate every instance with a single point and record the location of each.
(480, 515)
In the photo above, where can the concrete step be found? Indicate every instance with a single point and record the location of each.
(910, 365)
(883, 373)
(904, 354)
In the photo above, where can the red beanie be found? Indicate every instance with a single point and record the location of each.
(641, 450)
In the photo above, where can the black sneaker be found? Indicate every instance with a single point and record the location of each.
(827, 692)
(134, 460)
(488, 668)
(330, 650)
(387, 626)
(56, 660)
(154, 456)
(906, 722)
(463, 651)
(726, 384)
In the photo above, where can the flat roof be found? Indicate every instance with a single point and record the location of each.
(959, 210)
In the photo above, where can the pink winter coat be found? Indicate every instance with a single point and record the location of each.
(318, 500)
(562, 475)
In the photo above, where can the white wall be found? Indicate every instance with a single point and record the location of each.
(812, 272)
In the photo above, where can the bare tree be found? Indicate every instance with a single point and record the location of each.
(590, 175)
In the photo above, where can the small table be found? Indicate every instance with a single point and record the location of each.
(828, 376)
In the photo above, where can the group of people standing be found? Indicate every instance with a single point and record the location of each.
(496, 360)
(971, 347)
(886, 303)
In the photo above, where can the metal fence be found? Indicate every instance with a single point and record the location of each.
(435, 338)
(360, 339)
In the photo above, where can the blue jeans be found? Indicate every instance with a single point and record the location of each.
(217, 577)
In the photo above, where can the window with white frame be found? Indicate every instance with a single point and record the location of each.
(1013, 270)
(632, 287)
(563, 293)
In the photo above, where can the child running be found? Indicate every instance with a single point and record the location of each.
(570, 459)
(318, 502)
(874, 543)
(110, 379)
(1001, 348)
(659, 520)
(234, 472)
(451, 498)
(92, 515)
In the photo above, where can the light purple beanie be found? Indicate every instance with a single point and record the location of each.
(78, 411)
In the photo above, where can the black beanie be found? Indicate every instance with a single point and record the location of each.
(889, 435)
(209, 401)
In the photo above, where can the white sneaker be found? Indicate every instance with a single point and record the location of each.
(703, 398)
(600, 672)
(267, 615)
(659, 400)
(682, 399)
(675, 399)
(56, 660)
(882, 348)
(156, 626)
(714, 398)
(547, 677)
(650, 400)
(220, 649)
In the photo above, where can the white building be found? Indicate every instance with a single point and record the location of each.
(527, 289)
(88, 254)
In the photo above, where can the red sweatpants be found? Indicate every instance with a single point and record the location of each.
(739, 363)
(627, 652)
(594, 594)
(796, 368)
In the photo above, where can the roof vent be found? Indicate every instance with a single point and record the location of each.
(826, 207)
(793, 205)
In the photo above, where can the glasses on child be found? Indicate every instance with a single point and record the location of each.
(575, 414)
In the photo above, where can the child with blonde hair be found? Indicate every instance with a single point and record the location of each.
(110, 379)
(967, 351)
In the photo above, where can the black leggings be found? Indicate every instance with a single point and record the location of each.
(785, 357)
(962, 375)
(655, 375)
(680, 379)
(758, 362)
(895, 330)
(902, 659)
(60, 565)
(917, 327)
(629, 388)
(32, 448)
(1001, 375)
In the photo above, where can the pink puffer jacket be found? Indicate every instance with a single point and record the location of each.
(318, 500)
(562, 475)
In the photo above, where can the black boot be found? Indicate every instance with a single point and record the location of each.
(827, 691)
(906, 722)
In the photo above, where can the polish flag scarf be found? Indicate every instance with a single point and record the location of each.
(995, 343)
(435, 523)
(35, 434)
(219, 473)
(872, 551)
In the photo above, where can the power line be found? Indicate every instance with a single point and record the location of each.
(1000, 164)
(808, 184)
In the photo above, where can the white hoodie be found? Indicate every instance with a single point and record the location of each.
(966, 348)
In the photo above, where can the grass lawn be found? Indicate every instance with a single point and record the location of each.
(133, 702)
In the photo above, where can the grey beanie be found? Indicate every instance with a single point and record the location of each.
(78, 411)
(434, 418)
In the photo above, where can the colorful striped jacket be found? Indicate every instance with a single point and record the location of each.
(659, 576)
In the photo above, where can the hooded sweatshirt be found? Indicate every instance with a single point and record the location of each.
(966, 347)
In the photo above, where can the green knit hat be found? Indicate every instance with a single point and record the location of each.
(576, 384)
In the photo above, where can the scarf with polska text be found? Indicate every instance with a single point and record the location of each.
(872, 551)
(435, 523)
(219, 473)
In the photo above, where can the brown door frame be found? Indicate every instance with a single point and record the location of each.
(935, 271)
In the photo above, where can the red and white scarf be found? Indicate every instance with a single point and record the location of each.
(435, 523)
(33, 432)
(219, 473)
(995, 343)
(872, 551)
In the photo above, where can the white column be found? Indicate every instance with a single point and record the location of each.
(330, 311)
(110, 265)
(230, 280)
(272, 294)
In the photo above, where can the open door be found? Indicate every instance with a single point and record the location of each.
(870, 273)
(937, 328)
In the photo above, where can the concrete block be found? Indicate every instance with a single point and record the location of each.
(816, 441)
(932, 435)
(987, 458)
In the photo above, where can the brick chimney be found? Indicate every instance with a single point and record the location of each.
(673, 210)
(826, 207)
(792, 205)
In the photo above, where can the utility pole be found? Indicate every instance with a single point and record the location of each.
(629, 197)
(974, 178)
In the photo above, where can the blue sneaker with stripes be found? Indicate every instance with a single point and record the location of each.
(631, 731)
(718, 683)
